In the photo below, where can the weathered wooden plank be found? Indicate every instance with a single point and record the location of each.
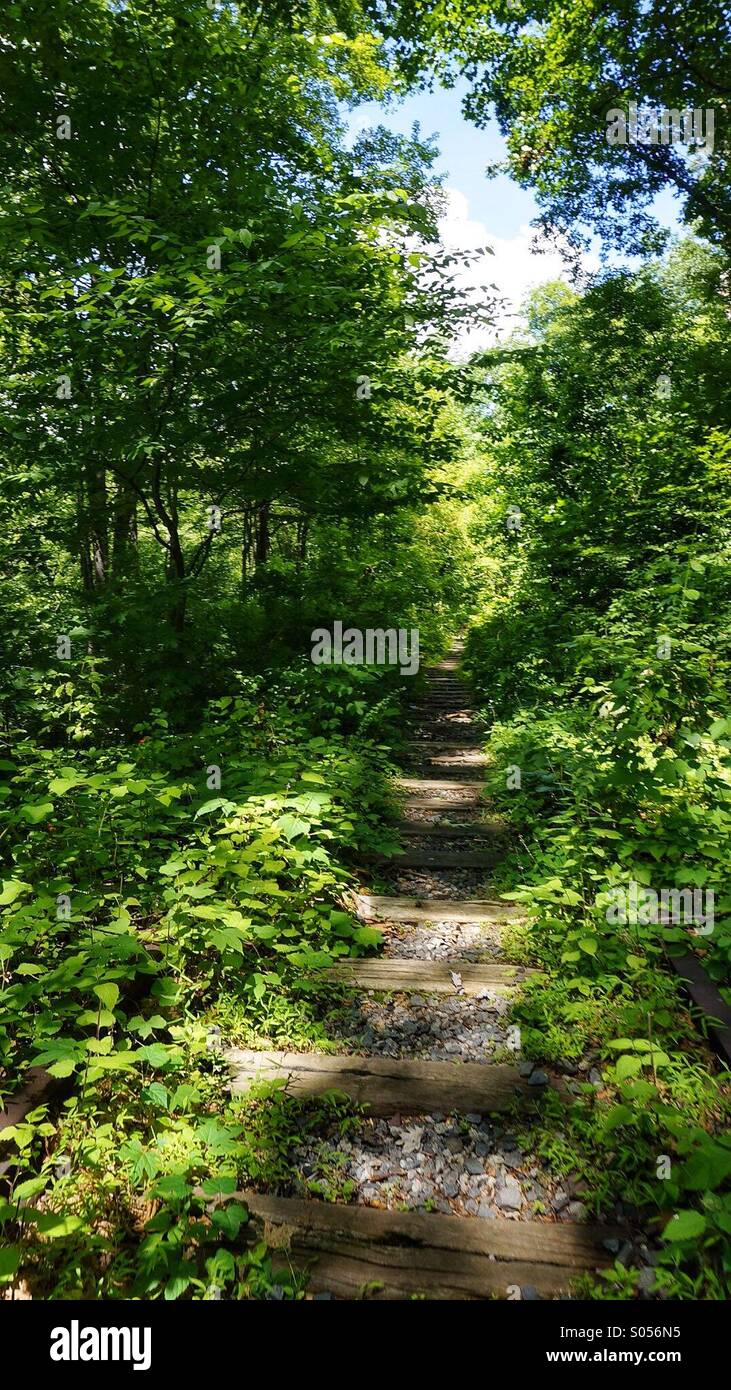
(432, 803)
(449, 766)
(473, 830)
(439, 742)
(436, 858)
(426, 976)
(439, 708)
(372, 907)
(431, 786)
(706, 997)
(449, 770)
(565, 1243)
(434, 699)
(447, 730)
(438, 711)
(451, 755)
(358, 1251)
(390, 1275)
(387, 1086)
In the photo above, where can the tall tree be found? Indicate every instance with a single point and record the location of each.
(553, 72)
(200, 270)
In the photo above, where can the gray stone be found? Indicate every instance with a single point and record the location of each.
(576, 1211)
(513, 1160)
(538, 1078)
(508, 1194)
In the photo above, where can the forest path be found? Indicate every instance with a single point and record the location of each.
(427, 1044)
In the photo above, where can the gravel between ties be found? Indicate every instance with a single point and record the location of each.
(434, 1028)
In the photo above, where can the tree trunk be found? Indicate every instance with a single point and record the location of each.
(247, 538)
(303, 529)
(176, 574)
(124, 537)
(261, 552)
(97, 534)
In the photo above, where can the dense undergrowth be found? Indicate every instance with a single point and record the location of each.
(603, 663)
(174, 883)
(147, 918)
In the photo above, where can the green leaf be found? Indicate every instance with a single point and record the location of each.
(12, 889)
(157, 1094)
(175, 1186)
(627, 1066)
(34, 813)
(707, 1168)
(59, 785)
(30, 1188)
(685, 1225)
(221, 1186)
(367, 936)
(176, 1286)
(62, 1068)
(230, 1219)
(292, 826)
(108, 994)
(9, 1260)
(618, 1115)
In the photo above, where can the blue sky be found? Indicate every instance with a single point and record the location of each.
(496, 212)
(465, 152)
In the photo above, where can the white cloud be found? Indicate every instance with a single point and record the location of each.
(514, 268)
